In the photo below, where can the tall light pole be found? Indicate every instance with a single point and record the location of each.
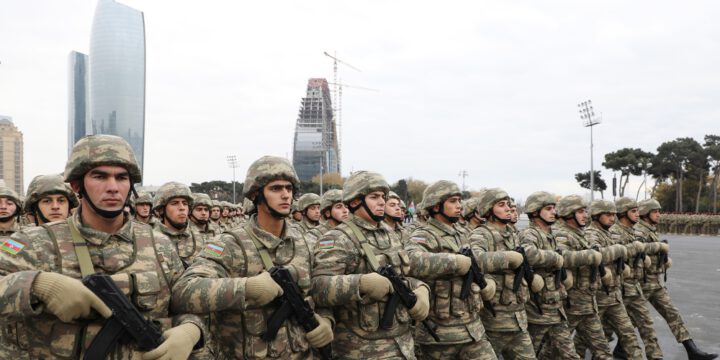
(233, 163)
(463, 174)
(587, 114)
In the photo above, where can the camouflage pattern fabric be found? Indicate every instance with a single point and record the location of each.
(477, 349)
(43, 185)
(515, 345)
(265, 169)
(188, 241)
(98, 150)
(555, 338)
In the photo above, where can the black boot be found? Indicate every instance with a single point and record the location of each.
(619, 353)
(696, 354)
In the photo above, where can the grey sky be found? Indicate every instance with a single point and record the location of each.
(489, 87)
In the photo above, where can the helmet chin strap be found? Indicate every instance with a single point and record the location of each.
(179, 226)
(201, 222)
(502, 221)
(39, 215)
(450, 219)
(548, 223)
(108, 214)
(274, 213)
(376, 218)
(395, 218)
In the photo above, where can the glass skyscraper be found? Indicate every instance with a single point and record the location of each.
(77, 98)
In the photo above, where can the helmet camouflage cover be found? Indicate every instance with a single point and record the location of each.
(330, 198)
(361, 183)
(9, 193)
(201, 199)
(144, 197)
(172, 190)
(646, 206)
(598, 207)
(568, 205)
(43, 185)
(470, 206)
(266, 169)
(438, 192)
(307, 200)
(248, 207)
(99, 150)
(624, 204)
(489, 198)
(538, 200)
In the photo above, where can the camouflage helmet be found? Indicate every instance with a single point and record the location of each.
(201, 199)
(248, 207)
(330, 198)
(294, 207)
(538, 200)
(43, 185)
(438, 192)
(470, 206)
(403, 205)
(216, 203)
(361, 183)
(600, 206)
(489, 198)
(512, 203)
(226, 204)
(144, 197)
(266, 169)
(646, 206)
(9, 193)
(392, 195)
(568, 205)
(172, 190)
(99, 150)
(307, 200)
(624, 204)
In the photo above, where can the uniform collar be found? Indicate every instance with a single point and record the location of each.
(366, 225)
(645, 224)
(448, 229)
(267, 239)
(97, 237)
(174, 233)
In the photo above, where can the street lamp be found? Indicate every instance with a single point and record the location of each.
(587, 114)
(233, 163)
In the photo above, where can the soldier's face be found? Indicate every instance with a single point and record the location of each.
(548, 213)
(633, 215)
(654, 216)
(7, 207)
(376, 203)
(107, 186)
(392, 208)
(278, 196)
(513, 215)
(607, 220)
(215, 213)
(313, 212)
(177, 210)
(452, 207)
(225, 212)
(501, 209)
(339, 211)
(143, 210)
(201, 212)
(297, 215)
(581, 216)
(54, 207)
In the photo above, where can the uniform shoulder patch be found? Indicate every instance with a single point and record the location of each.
(214, 250)
(11, 246)
(419, 239)
(326, 243)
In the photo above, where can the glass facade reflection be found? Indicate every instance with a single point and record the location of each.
(117, 74)
(77, 98)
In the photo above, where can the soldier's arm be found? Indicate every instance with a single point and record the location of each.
(489, 261)
(537, 257)
(424, 263)
(334, 279)
(574, 258)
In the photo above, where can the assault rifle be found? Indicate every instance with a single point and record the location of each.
(474, 276)
(525, 271)
(663, 258)
(561, 273)
(600, 269)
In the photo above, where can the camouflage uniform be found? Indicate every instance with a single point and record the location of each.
(327, 201)
(549, 330)
(340, 262)
(433, 249)
(145, 198)
(209, 230)
(305, 201)
(399, 228)
(142, 262)
(507, 330)
(44, 185)
(189, 243)
(13, 196)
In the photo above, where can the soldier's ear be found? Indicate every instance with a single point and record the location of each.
(75, 185)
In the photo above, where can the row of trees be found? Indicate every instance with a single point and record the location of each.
(683, 170)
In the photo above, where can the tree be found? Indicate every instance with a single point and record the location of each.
(679, 159)
(712, 150)
(415, 189)
(401, 188)
(628, 162)
(219, 190)
(330, 181)
(584, 180)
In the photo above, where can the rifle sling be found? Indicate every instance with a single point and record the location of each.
(262, 250)
(81, 250)
(366, 249)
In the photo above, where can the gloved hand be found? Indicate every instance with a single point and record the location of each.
(375, 286)
(178, 344)
(597, 258)
(537, 283)
(668, 264)
(664, 248)
(607, 280)
(569, 281)
(515, 259)
(422, 306)
(321, 335)
(626, 271)
(261, 289)
(67, 298)
(559, 263)
(463, 264)
(489, 291)
(647, 263)
(639, 246)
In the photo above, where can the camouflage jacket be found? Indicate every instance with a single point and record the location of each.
(578, 255)
(540, 247)
(305, 225)
(432, 250)
(647, 233)
(188, 242)
(625, 235)
(215, 282)
(4, 234)
(313, 235)
(612, 253)
(143, 263)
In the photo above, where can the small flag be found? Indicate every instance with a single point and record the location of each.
(327, 244)
(419, 240)
(411, 208)
(11, 246)
(214, 250)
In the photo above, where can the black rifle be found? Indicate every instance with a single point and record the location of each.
(600, 269)
(474, 276)
(561, 273)
(662, 260)
(525, 271)
(291, 303)
(126, 321)
(402, 294)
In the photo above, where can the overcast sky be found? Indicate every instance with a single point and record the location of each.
(490, 87)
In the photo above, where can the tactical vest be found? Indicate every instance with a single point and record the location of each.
(631, 283)
(653, 273)
(505, 298)
(615, 297)
(550, 295)
(581, 297)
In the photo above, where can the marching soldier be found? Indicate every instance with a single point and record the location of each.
(49, 199)
(143, 208)
(309, 206)
(296, 215)
(173, 201)
(513, 216)
(394, 217)
(10, 208)
(333, 211)
(200, 217)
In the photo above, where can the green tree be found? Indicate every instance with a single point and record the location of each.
(680, 159)
(584, 180)
(401, 188)
(712, 149)
(628, 162)
(415, 189)
(219, 190)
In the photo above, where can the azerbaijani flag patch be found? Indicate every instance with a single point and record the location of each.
(11, 246)
(326, 244)
(214, 250)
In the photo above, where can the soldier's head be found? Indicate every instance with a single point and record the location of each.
(627, 208)
(143, 205)
(309, 205)
(248, 207)
(494, 205)
(49, 198)
(650, 211)
(573, 210)
(296, 214)
(603, 213)
(225, 209)
(403, 208)
(172, 202)
(201, 205)
(270, 184)
(10, 205)
(393, 211)
(469, 209)
(442, 199)
(364, 193)
(102, 169)
(540, 208)
(239, 210)
(513, 211)
(332, 207)
(215, 210)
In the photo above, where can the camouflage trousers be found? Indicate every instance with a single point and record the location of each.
(553, 341)
(616, 318)
(348, 346)
(639, 314)
(512, 344)
(481, 350)
(660, 300)
(588, 330)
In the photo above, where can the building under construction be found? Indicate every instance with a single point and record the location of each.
(316, 140)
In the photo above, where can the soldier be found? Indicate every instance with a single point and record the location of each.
(230, 276)
(404, 211)
(215, 214)
(41, 295)
(49, 199)
(472, 218)
(507, 330)
(611, 309)
(513, 216)
(172, 202)
(394, 217)
(333, 211)
(295, 214)
(200, 217)
(548, 328)
(434, 249)
(653, 290)
(309, 205)
(224, 221)
(10, 208)
(143, 208)
(346, 284)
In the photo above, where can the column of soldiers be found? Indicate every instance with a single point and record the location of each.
(689, 224)
(338, 274)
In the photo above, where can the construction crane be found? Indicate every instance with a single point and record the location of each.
(338, 106)
(336, 100)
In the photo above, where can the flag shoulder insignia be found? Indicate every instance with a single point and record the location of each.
(326, 243)
(214, 250)
(11, 247)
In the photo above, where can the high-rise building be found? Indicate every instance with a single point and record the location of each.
(117, 74)
(77, 98)
(11, 155)
(316, 142)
